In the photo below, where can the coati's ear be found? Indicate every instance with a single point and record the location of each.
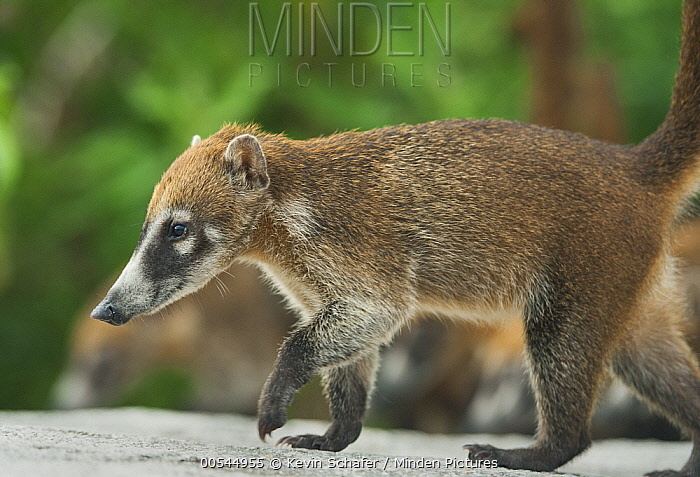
(196, 139)
(247, 163)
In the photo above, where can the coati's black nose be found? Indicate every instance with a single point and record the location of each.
(108, 313)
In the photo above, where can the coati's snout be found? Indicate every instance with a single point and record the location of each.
(177, 254)
(163, 264)
(200, 218)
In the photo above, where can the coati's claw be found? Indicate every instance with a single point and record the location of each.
(481, 452)
(268, 421)
(263, 432)
(311, 441)
(283, 443)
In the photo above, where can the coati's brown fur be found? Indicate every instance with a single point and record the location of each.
(364, 230)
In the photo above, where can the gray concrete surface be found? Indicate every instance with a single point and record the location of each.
(133, 442)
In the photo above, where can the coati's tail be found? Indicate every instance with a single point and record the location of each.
(672, 153)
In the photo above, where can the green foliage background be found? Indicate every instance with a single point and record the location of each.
(96, 99)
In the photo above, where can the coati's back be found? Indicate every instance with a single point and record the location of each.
(480, 205)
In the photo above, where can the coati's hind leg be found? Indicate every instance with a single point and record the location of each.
(564, 339)
(348, 389)
(657, 363)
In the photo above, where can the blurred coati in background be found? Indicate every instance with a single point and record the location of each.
(224, 337)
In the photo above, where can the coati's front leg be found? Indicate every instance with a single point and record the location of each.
(342, 340)
(348, 389)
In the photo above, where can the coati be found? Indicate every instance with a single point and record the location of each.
(474, 219)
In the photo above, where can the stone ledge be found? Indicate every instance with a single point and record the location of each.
(133, 442)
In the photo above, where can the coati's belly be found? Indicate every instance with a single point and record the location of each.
(471, 312)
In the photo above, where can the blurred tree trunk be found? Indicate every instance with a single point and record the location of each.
(568, 92)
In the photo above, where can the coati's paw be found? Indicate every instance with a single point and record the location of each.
(667, 473)
(312, 441)
(269, 419)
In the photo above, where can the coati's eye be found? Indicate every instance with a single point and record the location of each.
(177, 231)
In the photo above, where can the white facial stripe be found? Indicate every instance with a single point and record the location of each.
(178, 215)
(185, 245)
(213, 234)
